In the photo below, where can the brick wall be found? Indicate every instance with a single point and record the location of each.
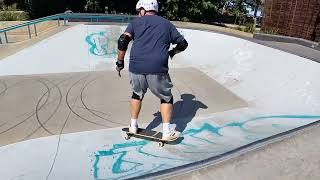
(296, 18)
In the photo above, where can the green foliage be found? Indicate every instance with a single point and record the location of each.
(255, 5)
(92, 6)
(41, 8)
(10, 13)
(13, 16)
(203, 11)
(250, 27)
(238, 8)
(18, 4)
(195, 10)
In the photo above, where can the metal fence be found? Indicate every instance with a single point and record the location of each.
(64, 17)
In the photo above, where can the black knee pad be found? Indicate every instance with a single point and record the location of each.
(136, 97)
(165, 102)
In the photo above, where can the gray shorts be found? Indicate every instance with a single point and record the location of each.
(159, 84)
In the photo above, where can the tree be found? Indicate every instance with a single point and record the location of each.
(1, 4)
(92, 6)
(206, 11)
(255, 4)
(19, 4)
(196, 10)
(41, 8)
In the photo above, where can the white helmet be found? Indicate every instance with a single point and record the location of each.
(148, 5)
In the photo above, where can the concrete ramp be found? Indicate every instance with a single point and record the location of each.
(64, 106)
(36, 106)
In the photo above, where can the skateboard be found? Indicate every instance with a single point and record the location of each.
(149, 134)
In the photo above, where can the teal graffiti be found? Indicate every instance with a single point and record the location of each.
(122, 167)
(116, 168)
(102, 44)
(216, 130)
(241, 125)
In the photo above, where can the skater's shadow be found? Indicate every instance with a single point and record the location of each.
(183, 112)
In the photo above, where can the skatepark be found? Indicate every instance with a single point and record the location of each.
(63, 106)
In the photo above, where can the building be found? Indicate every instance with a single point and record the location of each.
(295, 18)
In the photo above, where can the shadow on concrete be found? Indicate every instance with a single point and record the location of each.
(183, 112)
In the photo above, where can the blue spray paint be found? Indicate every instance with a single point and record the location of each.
(123, 167)
(119, 164)
(103, 44)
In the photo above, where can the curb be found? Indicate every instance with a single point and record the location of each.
(286, 39)
(169, 173)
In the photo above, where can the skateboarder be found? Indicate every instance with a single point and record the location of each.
(148, 66)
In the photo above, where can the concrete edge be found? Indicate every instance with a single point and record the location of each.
(254, 40)
(286, 39)
(213, 28)
(229, 155)
(234, 33)
(221, 30)
(284, 50)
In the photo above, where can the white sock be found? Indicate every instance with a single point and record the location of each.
(134, 123)
(166, 128)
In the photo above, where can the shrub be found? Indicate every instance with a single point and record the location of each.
(250, 27)
(10, 13)
(13, 16)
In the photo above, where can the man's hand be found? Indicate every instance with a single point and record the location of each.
(181, 46)
(172, 53)
(120, 66)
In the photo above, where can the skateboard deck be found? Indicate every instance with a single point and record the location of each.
(149, 134)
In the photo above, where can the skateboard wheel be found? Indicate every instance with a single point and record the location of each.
(161, 144)
(126, 137)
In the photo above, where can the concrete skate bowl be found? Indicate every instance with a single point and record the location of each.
(63, 106)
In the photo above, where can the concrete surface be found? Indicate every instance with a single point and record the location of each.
(22, 41)
(286, 39)
(43, 26)
(224, 30)
(297, 49)
(35, 106)
(293, 158)
(245, 92)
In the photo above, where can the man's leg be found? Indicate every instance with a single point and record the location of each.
(135, 108)
(161, 85)
(166, 109)
(166, 112)
(139, 87)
